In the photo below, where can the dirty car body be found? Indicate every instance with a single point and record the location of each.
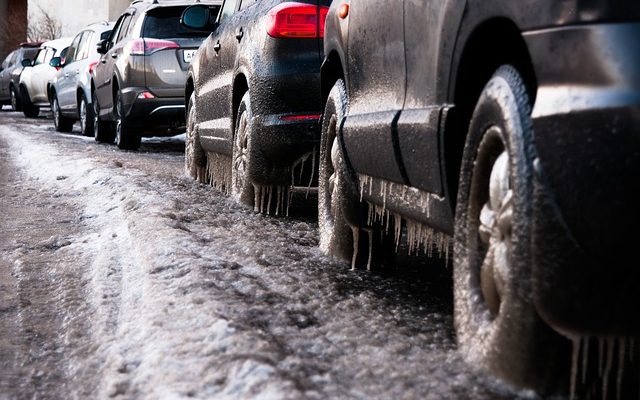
(248, 54)
(413, 80)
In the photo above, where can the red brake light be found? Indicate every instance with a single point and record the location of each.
(296, 20)
(302, 117)
(92, 67)
(144, 47)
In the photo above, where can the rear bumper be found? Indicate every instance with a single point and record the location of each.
(161, 115)
(586, 216)
(282, 145)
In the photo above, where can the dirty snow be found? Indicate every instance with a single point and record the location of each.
(122, 278)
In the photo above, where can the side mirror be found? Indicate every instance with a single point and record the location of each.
(101, 47)
(56, 62)
(26, 62)
(197, 17)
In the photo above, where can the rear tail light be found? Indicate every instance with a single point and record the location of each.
(92, 67)
(296, 20)
(145, 47)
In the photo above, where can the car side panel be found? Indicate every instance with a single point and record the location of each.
(376, 88)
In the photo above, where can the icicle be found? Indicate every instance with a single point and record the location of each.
(269, 195)
(585, 358)
(279, 194)
(575, 355)
(362, 182)
(370, 233)
(610, 344)
(601, 350)
(397, 221)
(620, 372)
(256, 197)
(356, 240)
(313, 171)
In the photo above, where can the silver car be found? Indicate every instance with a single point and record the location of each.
(70, 89)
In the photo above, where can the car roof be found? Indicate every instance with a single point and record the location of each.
(167, 3)
(58, 44)
(99, 26)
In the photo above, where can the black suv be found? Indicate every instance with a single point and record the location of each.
(254, 97)
(138, 85)
(510, 129)
(10, 70)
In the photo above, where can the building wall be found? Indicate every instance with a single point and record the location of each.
(73, 15)
(13, 25)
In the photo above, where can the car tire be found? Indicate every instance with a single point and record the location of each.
(16, 105)
(242, 164)
(497, 326)
(126, 137)
(29, 110)
(195, 159)
(61, 123)
(336, 181)
(85, 114)
(102, 130)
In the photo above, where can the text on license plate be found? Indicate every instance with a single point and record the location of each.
(188, 55)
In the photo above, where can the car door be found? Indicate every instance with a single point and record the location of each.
(376, 86)
(65, 86)
(40, 75)
(104, 80)
(430, 30)
(217, 64)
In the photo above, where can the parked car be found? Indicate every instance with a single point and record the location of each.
(70, 91)
(510, 132)
(138, 86)
(253, 96)
(37, 76)
(10, 71)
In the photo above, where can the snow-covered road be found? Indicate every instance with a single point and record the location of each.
(122, 278)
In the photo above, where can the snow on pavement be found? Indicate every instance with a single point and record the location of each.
(189, 295)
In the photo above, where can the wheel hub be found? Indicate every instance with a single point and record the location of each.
(494, 232)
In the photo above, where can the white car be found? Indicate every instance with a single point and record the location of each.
(37, 75)
(70, 90)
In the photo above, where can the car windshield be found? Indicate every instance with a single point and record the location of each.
(164, 23)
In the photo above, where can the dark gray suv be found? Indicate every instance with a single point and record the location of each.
(138, 85)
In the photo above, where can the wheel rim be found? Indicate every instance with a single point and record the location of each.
(331, 166)
(119, 120)
(96, 119)
(83, 116)
(492, 218)
(14, 100)
(241, 152)
(56, 113)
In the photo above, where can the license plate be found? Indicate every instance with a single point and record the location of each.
(188, 55)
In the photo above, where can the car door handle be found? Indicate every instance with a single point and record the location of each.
(77, 72)
(66, 75)
(217, 47)
(114, 56)
(239, 34)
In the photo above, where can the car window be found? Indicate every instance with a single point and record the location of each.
(105, 35)
(71, 55)
(7, 61)
(125, 27)
(228, 9)
(164, 23)
(27, 54)
(40, 57)
(116, 30)
(85, 45)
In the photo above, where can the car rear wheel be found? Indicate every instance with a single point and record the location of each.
(102, 130)
(334, 188)
(29, 110)
(242, 166)
(85, 112)
(62, 123)
(195, 159)
(15, 100)
(498, 328)
(126, 137)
